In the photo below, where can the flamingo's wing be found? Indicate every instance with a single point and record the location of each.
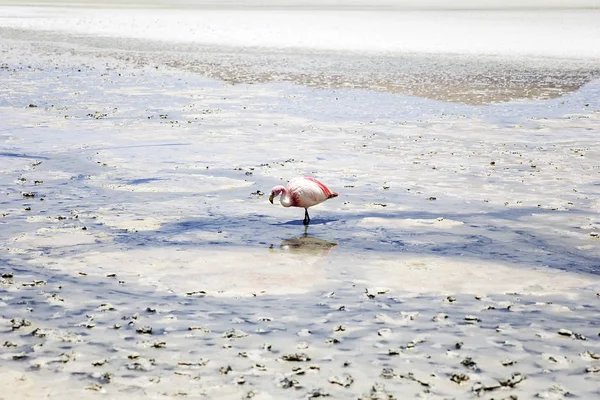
(328, 193)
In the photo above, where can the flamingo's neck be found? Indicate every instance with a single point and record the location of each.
(286, 196)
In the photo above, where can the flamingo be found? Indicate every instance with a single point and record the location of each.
(302, 192)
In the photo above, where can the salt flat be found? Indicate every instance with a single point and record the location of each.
(141, 257)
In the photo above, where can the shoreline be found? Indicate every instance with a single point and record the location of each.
(492, 79)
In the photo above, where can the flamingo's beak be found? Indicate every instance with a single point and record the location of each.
(271, 197)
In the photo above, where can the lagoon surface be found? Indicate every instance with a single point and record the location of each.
(141, 255)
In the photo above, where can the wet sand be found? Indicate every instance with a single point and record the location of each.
(141, 258)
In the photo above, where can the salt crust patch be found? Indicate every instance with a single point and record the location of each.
(451, 275)
(220, 271)
(56, 237)
(131, 222)
(183, 184)
(198, 237)
(49, 175)
(231, 271)
(438, 223)
(27, 385)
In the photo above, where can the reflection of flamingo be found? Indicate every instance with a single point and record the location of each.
(302, 192)
(309, 245)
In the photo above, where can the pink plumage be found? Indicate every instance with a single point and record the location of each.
(302, 192)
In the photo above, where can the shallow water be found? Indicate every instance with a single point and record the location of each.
(170, 158)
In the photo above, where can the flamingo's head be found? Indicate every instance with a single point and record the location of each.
(276, 191)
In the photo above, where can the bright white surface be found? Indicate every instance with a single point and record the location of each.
(510, 33)
(321, 4)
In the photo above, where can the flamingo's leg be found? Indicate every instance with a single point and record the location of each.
(306, 217)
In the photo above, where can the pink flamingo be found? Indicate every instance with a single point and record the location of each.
(302, 192)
